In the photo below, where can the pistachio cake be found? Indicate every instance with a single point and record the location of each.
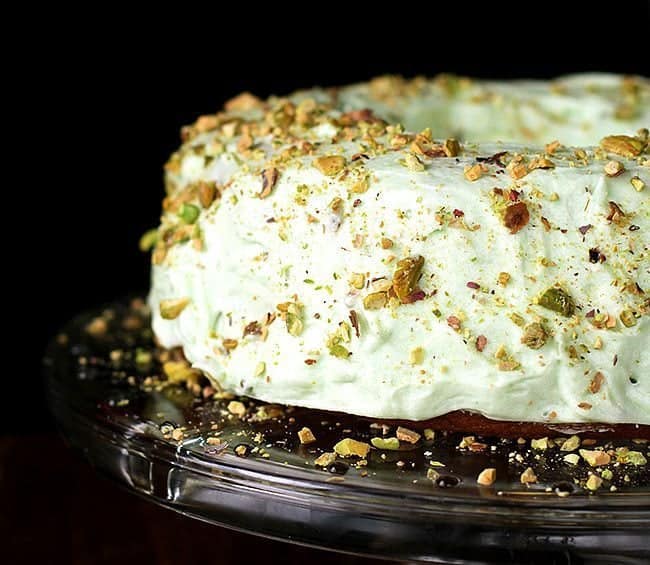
(491, 255)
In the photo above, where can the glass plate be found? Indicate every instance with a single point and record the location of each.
(104, 385)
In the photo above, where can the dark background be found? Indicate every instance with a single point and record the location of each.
(98, 110)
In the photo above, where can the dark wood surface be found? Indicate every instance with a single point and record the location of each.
(54, 508)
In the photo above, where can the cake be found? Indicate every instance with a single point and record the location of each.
(409, 249)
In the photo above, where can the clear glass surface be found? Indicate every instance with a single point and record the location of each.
(105, 407)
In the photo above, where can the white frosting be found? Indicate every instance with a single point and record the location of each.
(408, 362)
(577, 109)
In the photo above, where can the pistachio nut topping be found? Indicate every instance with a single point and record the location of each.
(356, 251)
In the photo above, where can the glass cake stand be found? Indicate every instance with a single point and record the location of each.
(203, 458)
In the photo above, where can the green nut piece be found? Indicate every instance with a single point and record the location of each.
(390, 443)
(558, 300)
(148, 240)
(189, 213)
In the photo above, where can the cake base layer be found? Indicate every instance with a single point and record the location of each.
(475, 424)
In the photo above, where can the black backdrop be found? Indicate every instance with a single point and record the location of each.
(106, 99)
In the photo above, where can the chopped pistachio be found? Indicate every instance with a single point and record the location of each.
(410, 436)
(517, 170)
(614, 168)
(572, 458)
(269, 178)
(594, 482)
(552, 147)
(466, 442)
(473, 172)
(412, 162)
(382, 285)
(180, 372)
(171, 308)
(503, 278)
(637, 183)
(516, 216)
(487, 477)
(306, 436)
(97, 327)
(406, 276)
(528, 476)
(237, 408)
(451, 147)
(294, 324)
(595, 458)
(508, 364)
(229, 344)
(628, 318)
(541, 163)
(148, 240)
(351, 447)
(603, 320)
(375, 300)
(337, 350)
(535, 335)
(159, 254)
(570, 444)
(207, 193)
(627, 457)
(558, 300)
(302, 191)
(416, 356)
(517, 319)
(336, 339)
(325, 460)
(389, 443)
(360, 186)
(243, 101)
(429, 434)
(539, 444)
(189, 213)
(636, 458)
(386, 243)
(330, 165)
(143, 357)
(624, 145)
(506, 361)
(615, 213)
(260, 369)
(358, 280)
(241, 450)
